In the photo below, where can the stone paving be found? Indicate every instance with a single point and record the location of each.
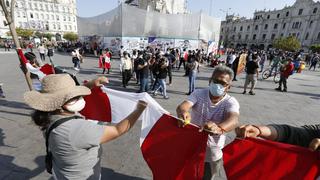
(22, 147)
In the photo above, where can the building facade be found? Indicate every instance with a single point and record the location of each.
(163, 6)
(45, 16)
(301, 20)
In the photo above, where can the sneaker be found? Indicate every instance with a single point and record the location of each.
(155, 93)
(278, 89)
(170, 84)
(252, 93)
(2, 96)
(166, 97)
(188, 93)
(244, 92)
(77, 69)
(284, 90)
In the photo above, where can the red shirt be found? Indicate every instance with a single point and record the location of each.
(288, 70)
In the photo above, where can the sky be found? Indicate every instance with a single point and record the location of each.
(244, 8)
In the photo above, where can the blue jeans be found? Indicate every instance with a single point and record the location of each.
(144, 84)
(162, 86)
(192, 80)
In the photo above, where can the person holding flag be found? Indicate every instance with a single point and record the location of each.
(73, 143)
(215, 111)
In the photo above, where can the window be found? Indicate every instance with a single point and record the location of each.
(287, 14)
(18, 14)
(70, 28)
(241, 28)
(31, 15)
(255, 37)
(234, 29)
(65, 27)
(266, 26)
(268, 17)
(315, 10)
(42, 16)
(58, 17)
(47, 27)
(273, 36)
(264, 37)
(307, 36)
(64, 18)
(24, 14)
(278, 15)
(284, 25)
(239, 37)
(69, 18)
(41, 7)
(30, 5)
(281, 35)
(256, 27)
(300, 11)
(74, 20)
(310, 25)
(275, 26)
(248, 28)
(52, 16)
(37, 15)
(318, 37)
(247, 37)
(221, 29)
(47, 8)
(35, 6)
(54, 26)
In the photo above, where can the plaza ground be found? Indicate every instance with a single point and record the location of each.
(22, 147)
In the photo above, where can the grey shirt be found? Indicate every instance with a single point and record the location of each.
(75, 146)
(301, 136)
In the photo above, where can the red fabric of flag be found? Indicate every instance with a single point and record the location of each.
(174, 153)
(97, 106)
(265, 160)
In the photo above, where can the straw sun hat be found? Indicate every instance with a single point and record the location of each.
(57, 89)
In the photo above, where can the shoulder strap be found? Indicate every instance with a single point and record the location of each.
(54, 125)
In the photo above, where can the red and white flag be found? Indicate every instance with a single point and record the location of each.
(40, 72)
(265, 160)
(172, 153)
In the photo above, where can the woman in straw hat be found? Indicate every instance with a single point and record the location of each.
(73, 145)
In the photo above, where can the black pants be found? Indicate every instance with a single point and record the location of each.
(182, 61)
(283, 81)
(104, 69)
(42, 57)
(126, 76)
(170, 74)
(314, 65)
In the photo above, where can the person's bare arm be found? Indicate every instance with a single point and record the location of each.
(253, 131)
(229, 124)
(112, 132)
(100, 81)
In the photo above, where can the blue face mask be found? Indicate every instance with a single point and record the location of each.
(216, 90)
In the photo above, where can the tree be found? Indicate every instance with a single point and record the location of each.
(42, 35)
(8, 11)
(70, 36)
(315, 48)
(290, 43)
(24, 33)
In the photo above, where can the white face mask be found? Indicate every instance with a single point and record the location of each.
(76, 106)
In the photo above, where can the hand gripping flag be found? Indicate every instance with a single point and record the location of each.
(264, 160)
(172, 153)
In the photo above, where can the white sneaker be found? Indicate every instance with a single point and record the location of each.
(77, 69)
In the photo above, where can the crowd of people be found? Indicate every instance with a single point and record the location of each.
(211, 108)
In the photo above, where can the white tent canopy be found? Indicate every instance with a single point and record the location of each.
(128, 21)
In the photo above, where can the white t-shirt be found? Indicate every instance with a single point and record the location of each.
(204, 111)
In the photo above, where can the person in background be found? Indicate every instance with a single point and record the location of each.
(314, 62)
(193, 67)
(162, 72)
(264, 58)
(76, 59)
(286, 71)
(214, 110)
(126, 66)
(143, 67)
(42, 52)
(251, 70)
(183, 59)
(75, 144)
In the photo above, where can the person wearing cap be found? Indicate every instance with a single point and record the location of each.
(74, 144)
